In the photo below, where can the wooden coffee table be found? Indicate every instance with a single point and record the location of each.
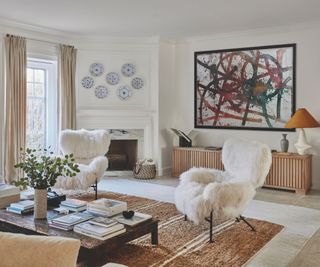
(92, 251)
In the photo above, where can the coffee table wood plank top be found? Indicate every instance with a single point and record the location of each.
(92, 250)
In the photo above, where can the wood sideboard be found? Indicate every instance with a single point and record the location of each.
(288, 171)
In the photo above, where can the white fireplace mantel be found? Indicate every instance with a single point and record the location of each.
(124, 120)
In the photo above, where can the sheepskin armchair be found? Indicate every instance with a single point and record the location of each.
(89, 149)
(204, 192)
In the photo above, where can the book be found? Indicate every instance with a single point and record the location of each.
(74, 203)
(61, 227)
(79, 231)
(8, 190)
(72, 219)
(106, 222)
(136, 219)
(19, 211)
(83, 208)
(27, 194)
(23, 204)
(107, 207)
(7, 200)
(87, 227)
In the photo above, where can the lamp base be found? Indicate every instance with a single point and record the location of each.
(302, 145)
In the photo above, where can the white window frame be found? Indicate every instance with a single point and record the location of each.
(51, 131)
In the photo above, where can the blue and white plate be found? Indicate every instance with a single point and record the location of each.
(101, 91)
(96, 69)
(87, 82)
(128, 69)
(112, 78)
(124, 92)
(137, 83)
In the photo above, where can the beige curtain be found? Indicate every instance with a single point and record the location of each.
(15, 103)
(67, 95)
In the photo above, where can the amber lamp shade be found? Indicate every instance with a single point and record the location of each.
(302, 119)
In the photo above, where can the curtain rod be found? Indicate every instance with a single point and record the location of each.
(38, 40)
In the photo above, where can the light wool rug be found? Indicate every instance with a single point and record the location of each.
(182, 243)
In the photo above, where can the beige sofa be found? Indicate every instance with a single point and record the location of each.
(37, 251)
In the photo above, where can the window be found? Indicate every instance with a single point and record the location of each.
(42, 102)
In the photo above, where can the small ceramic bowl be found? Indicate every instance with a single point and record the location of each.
(128, 214)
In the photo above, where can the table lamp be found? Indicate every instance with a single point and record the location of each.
(302, 119)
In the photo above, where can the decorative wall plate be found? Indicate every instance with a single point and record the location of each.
(137, 83)
(124, 92)
(87, 82)
(112, 78)
(128, 69)
(96, 69)
(101, 91)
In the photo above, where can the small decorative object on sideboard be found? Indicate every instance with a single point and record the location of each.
(41, 171)
(284, 143)
(145, 169)
(184, 139)
(302, 119)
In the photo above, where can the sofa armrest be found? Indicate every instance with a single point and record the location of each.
(37, 251)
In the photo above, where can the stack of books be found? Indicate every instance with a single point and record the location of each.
(8, 194)
(21, 207)
(100, 228)
(106, 207)
(67, 222)
(74, 205)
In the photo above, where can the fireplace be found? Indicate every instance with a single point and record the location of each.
(122, 154)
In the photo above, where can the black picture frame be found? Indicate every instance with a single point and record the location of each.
(247, 54)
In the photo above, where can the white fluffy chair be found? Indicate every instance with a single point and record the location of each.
(89, 149)
(204, 194)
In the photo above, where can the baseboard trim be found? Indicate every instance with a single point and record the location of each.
(166, 171)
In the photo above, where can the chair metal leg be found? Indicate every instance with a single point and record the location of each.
(247, 223)
(210, 221)
(96, 189)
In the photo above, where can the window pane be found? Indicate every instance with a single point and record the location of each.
(35, 122)
(30, 91)
(39, 89)
(29, 75)
(39, 76)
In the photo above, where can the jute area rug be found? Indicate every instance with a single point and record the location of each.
(182, 243)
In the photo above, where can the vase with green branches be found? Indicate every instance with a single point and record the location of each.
(41, 170)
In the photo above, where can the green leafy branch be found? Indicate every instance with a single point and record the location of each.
(41, 169)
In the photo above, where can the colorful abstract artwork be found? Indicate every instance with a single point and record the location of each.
(246, 88)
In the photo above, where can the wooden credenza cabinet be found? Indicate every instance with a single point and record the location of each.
(288, 170)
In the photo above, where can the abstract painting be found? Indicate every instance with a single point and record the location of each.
(245, 88)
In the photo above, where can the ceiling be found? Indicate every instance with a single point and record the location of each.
(168, 18)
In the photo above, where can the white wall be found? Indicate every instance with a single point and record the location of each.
(141, 110)
(166, 103)
(307, 38)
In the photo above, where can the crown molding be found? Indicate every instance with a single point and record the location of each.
(311, 25)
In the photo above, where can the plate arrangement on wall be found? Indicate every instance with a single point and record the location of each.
(128, 69)
(113, 78)
(96, 69)
(87, 82)
(137, 83)
(101, 91)
(124, 92)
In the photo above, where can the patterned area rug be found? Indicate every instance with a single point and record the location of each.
(182, 243)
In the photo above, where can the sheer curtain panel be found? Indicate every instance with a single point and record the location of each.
(67, 95)
(15, 103)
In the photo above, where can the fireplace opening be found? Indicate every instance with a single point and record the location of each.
(122, 155)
